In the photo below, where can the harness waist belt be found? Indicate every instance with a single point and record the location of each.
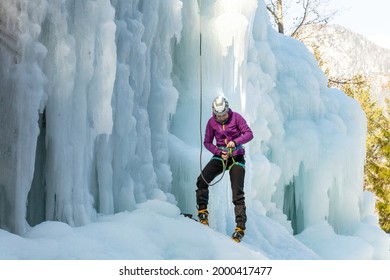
(230, 149)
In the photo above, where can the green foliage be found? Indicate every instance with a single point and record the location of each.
(377, 166)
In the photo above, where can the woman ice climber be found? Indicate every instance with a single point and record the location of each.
(230, 131)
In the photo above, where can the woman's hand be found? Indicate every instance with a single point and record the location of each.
(225, 155)
(231, 144)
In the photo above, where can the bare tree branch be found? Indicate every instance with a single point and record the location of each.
(292, 17)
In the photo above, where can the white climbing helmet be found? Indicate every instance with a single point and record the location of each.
(220, 105)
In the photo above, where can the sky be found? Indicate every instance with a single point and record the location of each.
(369, 18)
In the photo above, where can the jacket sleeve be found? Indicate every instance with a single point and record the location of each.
(208, 140)
(246, 132)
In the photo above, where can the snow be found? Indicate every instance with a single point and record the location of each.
(116, 162)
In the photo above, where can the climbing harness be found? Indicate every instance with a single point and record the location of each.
(230, 153)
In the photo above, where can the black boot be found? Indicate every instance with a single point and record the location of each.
(238, 234)
(203, 216)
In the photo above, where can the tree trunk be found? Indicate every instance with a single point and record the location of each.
(280, 17)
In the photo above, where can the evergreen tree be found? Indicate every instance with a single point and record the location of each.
(382, 169)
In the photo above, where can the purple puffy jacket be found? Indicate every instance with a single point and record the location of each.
(234, 129)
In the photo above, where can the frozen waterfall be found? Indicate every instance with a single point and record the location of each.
(100, 102)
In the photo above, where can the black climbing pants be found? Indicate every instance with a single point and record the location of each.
(237, 175)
